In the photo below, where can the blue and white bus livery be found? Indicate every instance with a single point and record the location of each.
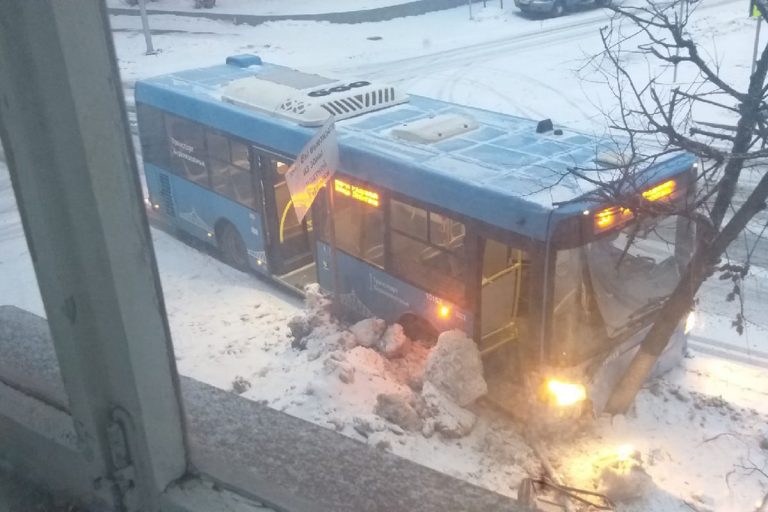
(446, 216)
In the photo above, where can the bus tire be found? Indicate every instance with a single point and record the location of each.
(231, 246)
(418, 328)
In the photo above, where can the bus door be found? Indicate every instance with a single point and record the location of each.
(501, 301)
(289, 247)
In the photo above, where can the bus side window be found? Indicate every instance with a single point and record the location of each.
(427, 249)
(359, 228)
(154, 141)
(230, 170)
(187, 147)
(446, 232)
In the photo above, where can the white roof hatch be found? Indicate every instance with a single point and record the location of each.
(435, 128)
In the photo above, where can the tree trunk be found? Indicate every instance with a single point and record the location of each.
(680, 301)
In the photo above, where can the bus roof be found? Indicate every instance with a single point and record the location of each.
(495, 167)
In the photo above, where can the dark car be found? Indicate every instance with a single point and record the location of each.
(556, 8)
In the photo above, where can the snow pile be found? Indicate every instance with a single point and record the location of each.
(398, 410)
(453, 379)
(623, 478)
(444, 415)
(316, 314)
(454, 367)
(368, 332)
(394, 343)
(419, 389)
(373, 333)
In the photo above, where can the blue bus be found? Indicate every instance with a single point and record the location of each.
(445, 216)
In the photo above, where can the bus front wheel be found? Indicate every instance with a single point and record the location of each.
(417, 328)
(231, 246)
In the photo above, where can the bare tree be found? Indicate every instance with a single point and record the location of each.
(639, 47)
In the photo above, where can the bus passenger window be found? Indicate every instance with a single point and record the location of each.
(427, 249)
(408, 219)
(359, 228)
(218, 147)
(445, 232)
(154, 142)
(240, 155)
(230, 174)
(187, 149)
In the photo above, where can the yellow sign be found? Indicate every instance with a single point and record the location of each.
(754, 10)
(364, 196)
(660, 191)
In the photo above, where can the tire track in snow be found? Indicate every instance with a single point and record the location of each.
(467, 58)
(555, 31)
(727, 351)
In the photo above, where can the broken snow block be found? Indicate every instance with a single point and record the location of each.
(240, 385)
(337, 363)
(368, 332)
(625, 480)
(347, 340)
(315, 300)
(396, 409)
(346, 373)
(300, 329)
(450, 420)
(455, 368)
(394, 343)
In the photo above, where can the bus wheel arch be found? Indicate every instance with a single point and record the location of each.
(231, 245)
(416, 327)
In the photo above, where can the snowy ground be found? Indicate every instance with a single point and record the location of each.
(266, 7)
(698, 430)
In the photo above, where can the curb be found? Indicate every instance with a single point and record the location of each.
(413, 8)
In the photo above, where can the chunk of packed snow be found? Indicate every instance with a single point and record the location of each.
(316, 301)
(394, 343)
(450, 420)
(455, 368)
(337, 363)
(396, 409)
(240, 385)
(625, 479)
(368, 332)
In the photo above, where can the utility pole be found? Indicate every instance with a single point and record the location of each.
(677, 49)
(145, 27)
(759, 20)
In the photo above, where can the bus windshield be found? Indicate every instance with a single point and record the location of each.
(613, 285)
(634, 269)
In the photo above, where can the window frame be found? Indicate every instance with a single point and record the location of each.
(91, 248)
(253, 170)
(465, 258)
(322, 213)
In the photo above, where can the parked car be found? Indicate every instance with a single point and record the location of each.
(556, 8)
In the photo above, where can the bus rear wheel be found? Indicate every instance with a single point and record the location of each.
(231, 246)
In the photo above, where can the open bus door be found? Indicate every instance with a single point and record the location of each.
(502, 304)
(289, 249)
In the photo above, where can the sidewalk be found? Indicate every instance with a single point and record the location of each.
(252, 12)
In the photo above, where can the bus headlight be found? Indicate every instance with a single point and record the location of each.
(565, 394)
(690, 322)
(444, 311)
